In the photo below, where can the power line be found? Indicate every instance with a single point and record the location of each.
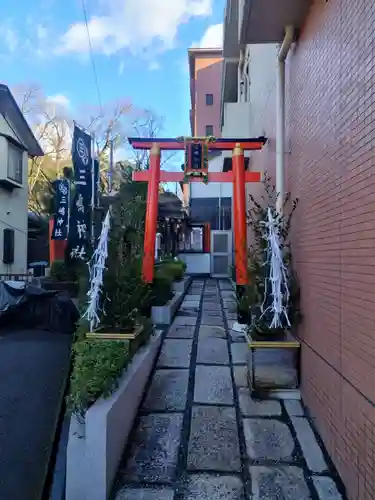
(92, 56)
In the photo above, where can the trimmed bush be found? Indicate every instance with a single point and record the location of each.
(59, 271)
(97, 368)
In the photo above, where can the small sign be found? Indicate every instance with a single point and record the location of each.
(61, 217)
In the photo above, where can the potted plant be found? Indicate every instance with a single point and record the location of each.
(271, 300)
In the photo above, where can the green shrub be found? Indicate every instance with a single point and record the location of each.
(67, 271)
(161, 288)
(127, 297)
(97, 368)
(59, 271)
(173, 268)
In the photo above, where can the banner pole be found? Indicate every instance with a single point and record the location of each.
(93, 187)
(110, 169)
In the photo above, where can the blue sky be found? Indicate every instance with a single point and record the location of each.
(140, 49)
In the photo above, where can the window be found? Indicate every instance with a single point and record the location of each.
(209, 130)
(209, 99)
(8, 246)
(15, 160)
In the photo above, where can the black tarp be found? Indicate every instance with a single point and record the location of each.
(23, 305)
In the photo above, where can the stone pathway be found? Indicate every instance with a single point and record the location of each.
(200, 435)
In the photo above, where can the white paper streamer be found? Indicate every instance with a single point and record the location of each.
(277, 275)
(96, 269)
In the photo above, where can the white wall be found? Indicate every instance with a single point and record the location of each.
(211, 190)
(262, 72)
(13, 209)
(236, 120)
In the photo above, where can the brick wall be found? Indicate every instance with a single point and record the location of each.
(331, 168)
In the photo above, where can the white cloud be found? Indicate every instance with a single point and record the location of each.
(134, 24)
(10, 39)
(26, 40)
(41, 32)
(121, 68)
(212, 38)
(59, 99)
(154, 66)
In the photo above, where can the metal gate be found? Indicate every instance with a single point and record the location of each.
(221, 254)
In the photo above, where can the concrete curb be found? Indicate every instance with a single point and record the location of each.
(163, 315)
(183, 285)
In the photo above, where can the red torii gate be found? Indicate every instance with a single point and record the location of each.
(239, 177)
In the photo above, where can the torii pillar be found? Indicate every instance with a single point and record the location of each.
(151, 215)
(240, 226)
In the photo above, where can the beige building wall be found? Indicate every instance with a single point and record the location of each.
(13, 207)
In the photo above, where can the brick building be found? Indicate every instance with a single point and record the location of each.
(329, 154)
(205, 67)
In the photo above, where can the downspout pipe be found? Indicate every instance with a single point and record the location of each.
(240, 71)
(280, 117)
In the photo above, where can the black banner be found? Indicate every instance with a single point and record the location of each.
(61, 217)
(81, 155)
(80, 218)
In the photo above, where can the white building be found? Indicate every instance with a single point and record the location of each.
(17, 144)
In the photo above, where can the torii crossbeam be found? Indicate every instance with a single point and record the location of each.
(196, 170)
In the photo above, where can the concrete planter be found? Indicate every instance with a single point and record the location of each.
(273, 365)
(96, 445)
(183, 285)
(163, 315)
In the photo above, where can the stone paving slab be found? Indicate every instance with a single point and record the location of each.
(155, 449)
(213, 350)
(231, 323)
(237, 337)
(175, 353)
(144, 494)
(211, 306)
(257, 408)
(268, 439)
(212, 320)
(188, 312)
(240, 376)
(231, 307)
(213, 443)
(181, 332)
(212, 331)
(326, 488)
(184, 320)
(212, 314)
(191, 306)
(239, 352)
(225, 286)
(278, 483)
(168, 391)
(195, 297)
(213, 385)
(230, 315)
(294, 408)
(310, 447)
(211, 487)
